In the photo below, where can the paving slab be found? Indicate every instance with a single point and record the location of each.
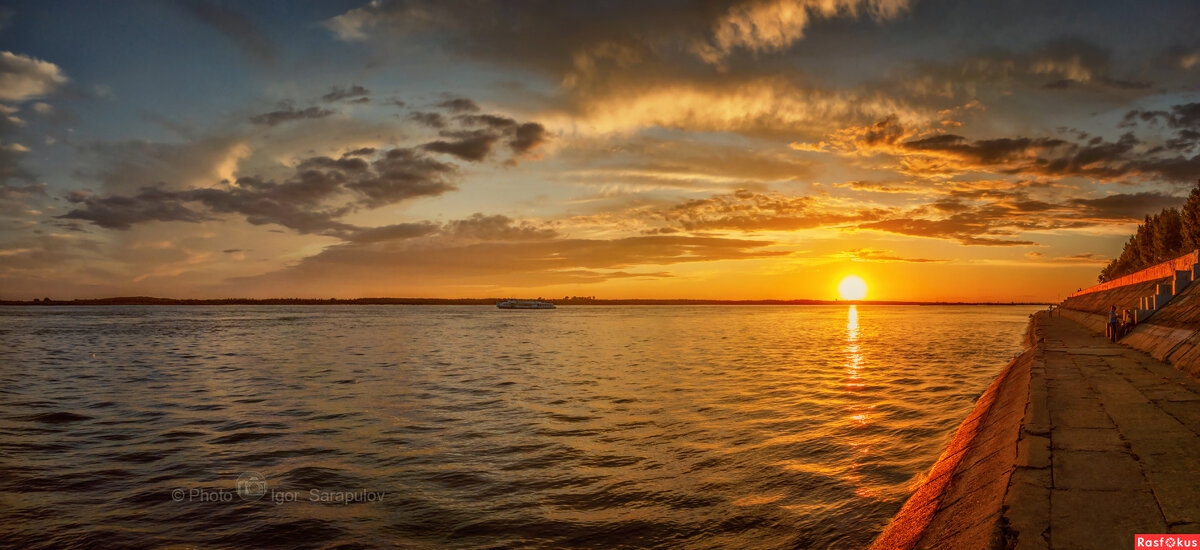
(1079, 443)
(1102, 519)
(1124, 446)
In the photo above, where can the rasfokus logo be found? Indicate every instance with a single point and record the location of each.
(1166, 541)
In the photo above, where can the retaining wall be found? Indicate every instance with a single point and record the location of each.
(961, 503)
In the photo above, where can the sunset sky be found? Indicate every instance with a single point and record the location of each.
(941, 150)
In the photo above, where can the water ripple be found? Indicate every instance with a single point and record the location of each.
(658, 427)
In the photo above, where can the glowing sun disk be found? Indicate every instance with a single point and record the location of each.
(852, 287)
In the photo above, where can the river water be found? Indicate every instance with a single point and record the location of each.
(473, 427)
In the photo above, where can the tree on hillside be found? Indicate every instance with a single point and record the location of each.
(1145, 235)
(1168, 235)
(1191, 220)
(1161, 237)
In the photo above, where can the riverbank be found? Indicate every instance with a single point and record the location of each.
(1077, 443)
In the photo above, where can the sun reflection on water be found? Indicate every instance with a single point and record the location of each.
(853, 354)
(856, 410)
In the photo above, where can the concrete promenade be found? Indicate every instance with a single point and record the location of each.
(1079, 443)
(1122, 450)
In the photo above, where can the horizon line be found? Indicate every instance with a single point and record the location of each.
(573, 300)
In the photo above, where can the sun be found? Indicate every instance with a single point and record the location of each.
(852, 287)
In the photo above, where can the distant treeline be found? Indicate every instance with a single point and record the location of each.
(1161, 237)
(567, 300)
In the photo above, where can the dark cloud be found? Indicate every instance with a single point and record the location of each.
(1127, 207)
(497, 228)
(236, 27)
(751, 211)
(395, 232)
(150, 204)
(920, 154)
(289, 113)
(459, 105)
(982, 216)
(432, 120)
(984, 152)
(361, 152)
(402, 174)
(1184, 118)
(472, 146)
(338, 93)
(527, 137)
(320, 191)
(997, 217)
(481, 132)
(494, 122)
(964, 228)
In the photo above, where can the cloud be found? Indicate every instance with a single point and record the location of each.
(459, 105)
(997, 217)
(527, 137)
(932, 153)
(1188, 60)
(339, 93)
(984, 213)
(683, 162)
(432, 120)
(876, 255)
(122, 212)
(964, 228)
(319, 192)
(23, 77)
(497, 228)
(289, 113)
(759, 106)
(402, 174)
(750, 211)
(1184, 118)
(383, 267)
(773, 25)
(124, 167)
(472, 146)
(1129, 207)
(1084, 258)
(480, 133)
(236, 27)
(394, 232)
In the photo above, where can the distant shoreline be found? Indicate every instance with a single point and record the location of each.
(574, 301)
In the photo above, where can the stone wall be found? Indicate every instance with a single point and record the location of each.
(1172, 334)
(961, 503)
(1160, 271)
(1169, 330)
(1091, 309)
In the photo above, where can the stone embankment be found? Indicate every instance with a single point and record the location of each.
(1161, 301)
(1078, 442)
